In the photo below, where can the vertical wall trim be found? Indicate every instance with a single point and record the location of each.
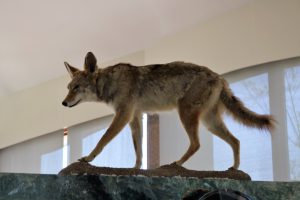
(280, 155)
(153, 141)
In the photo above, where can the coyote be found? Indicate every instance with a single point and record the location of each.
(197, 92)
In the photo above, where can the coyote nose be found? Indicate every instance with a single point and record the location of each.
(64, 103)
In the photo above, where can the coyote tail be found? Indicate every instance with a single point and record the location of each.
(242, 114)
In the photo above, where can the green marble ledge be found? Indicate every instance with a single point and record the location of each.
(90, 187)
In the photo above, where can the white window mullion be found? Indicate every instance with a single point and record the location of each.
(279, 134)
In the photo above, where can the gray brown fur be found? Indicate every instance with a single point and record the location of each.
(195, 91)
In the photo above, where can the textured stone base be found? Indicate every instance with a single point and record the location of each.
(82, 168)
(98, 187)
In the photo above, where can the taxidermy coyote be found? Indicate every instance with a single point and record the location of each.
(197, 92)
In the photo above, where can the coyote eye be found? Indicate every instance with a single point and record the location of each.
(76, 87)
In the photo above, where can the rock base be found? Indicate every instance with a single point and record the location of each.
(83, 168)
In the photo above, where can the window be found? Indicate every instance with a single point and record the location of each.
(118, 153)
(292, 95)
(82, 139)
(48, 154)
(269, 88)
(38, 155)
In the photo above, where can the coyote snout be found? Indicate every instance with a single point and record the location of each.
(65, 103)
(71, 100)
(195, 91)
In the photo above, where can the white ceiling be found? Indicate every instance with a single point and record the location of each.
(37, 36)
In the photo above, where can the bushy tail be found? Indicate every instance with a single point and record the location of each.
(242, 114)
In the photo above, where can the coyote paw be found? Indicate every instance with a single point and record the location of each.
(137, 165)
(232, 168)
(86, 159)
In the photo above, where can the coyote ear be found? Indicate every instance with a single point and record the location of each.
(90, 63)
(71, 70)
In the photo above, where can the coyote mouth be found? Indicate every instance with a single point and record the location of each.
(75, 103)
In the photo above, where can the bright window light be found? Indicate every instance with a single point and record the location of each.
(144, 144)
(65, 148)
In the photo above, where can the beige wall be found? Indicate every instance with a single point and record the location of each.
(262, 31)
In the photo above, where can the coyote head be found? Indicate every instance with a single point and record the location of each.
(82, 87)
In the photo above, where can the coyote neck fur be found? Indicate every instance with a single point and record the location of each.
(117, 83)
(97, 88)
(102, 88)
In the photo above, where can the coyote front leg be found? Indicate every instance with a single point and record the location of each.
(137, 135)
(121, 118)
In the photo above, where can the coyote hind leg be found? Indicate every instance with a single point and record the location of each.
(190, 119)
(214, 123)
